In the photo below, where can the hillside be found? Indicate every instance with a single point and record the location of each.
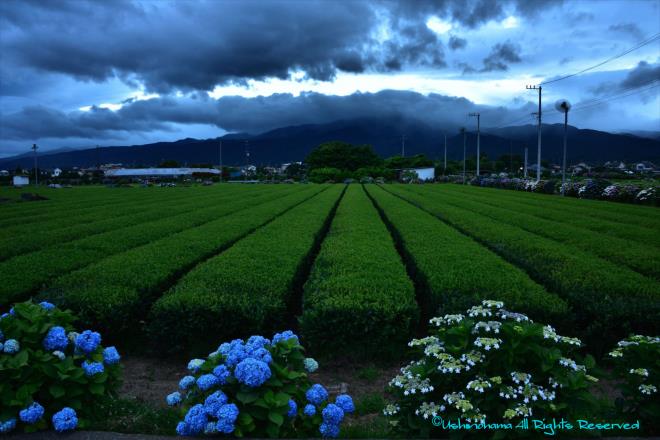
(293, 143)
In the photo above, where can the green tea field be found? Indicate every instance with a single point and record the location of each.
(355, 269)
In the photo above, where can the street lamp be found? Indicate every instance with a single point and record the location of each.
(563, 106)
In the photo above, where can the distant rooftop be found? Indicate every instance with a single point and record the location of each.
(146, 172)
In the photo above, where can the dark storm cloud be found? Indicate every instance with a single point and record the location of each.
(499, 58)
(456, 43)
(641, 75)
(630, 29)
(234, 113)
(197, 45)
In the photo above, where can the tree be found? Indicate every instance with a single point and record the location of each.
(322, 175)
(342, 156)
(169, 164)
(417, 161)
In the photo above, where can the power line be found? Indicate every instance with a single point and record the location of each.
(613, 97)
(637, 46)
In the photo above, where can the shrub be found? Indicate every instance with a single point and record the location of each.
(489, 364)
(637, 369)
(358, 299)
(593, 188)
(646, 196)
(571, 189)
(48, 373)
(257, 388)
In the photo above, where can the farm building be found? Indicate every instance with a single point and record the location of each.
(158, 172)
(21, 181)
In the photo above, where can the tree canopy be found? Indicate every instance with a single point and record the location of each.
(342, 156)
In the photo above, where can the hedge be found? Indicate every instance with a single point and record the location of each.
(587, 219)
(645, 216)
(61, 227)
(114, 293)
(636, 256)
(608, 301)
(358, 299)
(251, 287)
(454, 270)
(25, 274)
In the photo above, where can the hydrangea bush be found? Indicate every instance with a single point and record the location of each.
(51, 376)
(637, 370)
(257, 388)
(490, 365)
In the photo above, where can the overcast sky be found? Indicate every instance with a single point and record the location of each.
(77, 74)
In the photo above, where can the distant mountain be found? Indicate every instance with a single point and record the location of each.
(293, 143)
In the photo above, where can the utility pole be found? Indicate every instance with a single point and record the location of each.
(525, 169)
(563, 106)
(478, 138)
(403, 145)
(538, 164)
(464, 136)
(445, 172)
(36, 172)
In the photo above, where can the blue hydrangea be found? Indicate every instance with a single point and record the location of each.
(309, 410)
(256, 342)
(7, 426)
(328, 430)
(284, 336)
(236, 354)
(182, 429)
(263, 355)
(252, 372)
(173, 398)
(60, 355)
(332, 414)
(111, 356)
(196, 419)
(55, 339)
(11, 346)
(65, 420)
(2, 346)
(316, 394)
(3, 316)
(210, 428)
(46, 305)
(227, 415)
(224, 348)
(310, 365)
(12, 312)
(92, 368)
(293, 408)
(214, 402)
(345, 402)
(222, 373)
(195, 364)
(88, 341)
(186, 382)
(32, 413)
(207, 381)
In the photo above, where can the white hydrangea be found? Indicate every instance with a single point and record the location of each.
(648, 389)
(490, 326)
(446, 320)
(488, 343)
(571, 364)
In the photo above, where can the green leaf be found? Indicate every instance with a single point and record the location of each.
(97, 389)
(57, 391)
(246, 398)
(276, 418)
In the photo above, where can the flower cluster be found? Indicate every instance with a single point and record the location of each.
(478, 365)
(228, 392)
(43, 335)
(636, 367)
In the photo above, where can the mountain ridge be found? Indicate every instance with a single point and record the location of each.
(293, 143)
